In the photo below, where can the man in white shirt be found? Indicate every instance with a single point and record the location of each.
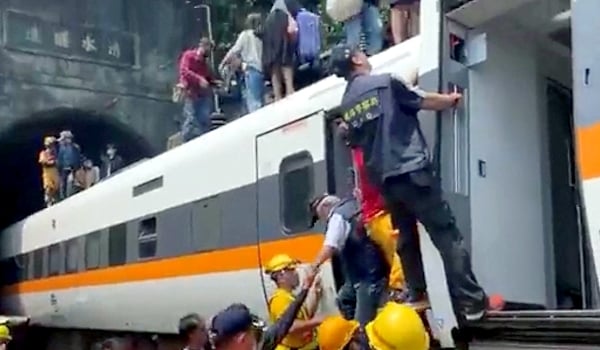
(249, 47)
(363, 261)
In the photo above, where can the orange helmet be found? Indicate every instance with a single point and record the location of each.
(335, 332)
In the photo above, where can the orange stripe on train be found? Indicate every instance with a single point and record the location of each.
(588, 151)
(303, 247)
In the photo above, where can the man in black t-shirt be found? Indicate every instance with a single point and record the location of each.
(381, 112)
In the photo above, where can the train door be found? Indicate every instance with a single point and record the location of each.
(441, 316)
(586, 68)
(290, 170)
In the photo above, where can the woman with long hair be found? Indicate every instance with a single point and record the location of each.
(279, 46)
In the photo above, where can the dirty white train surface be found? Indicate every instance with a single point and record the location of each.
(190, 229)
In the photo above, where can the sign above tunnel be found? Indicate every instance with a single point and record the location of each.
(29, 33)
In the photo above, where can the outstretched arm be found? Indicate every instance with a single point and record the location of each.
(276, 332)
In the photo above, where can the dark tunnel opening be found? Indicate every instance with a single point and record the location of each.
(20, 143)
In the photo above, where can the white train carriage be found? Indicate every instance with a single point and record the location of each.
(190, 229)
(187, 230)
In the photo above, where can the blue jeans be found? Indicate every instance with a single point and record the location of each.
(366, 21)
(362, 300)
(254, 89)
(196, 117)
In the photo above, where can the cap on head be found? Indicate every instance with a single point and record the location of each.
(280, 262)
(66, 134)
(234, 319)
(341, 60)
(397, 327)
(335, 332)
(313, 205)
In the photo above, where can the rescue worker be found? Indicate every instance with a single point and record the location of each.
(282, 270)
(346, 299)
(50, 174)
(380, 230)
(364, 264)
(379, 227)
(396, 327)
(192, 329)
(376, 218)
(5, 337)
(397, 282)
(236, 328)
(381, 112)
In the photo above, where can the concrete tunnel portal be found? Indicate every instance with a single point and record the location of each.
(21, 141)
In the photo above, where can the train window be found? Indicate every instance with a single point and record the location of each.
(72, 256)
(148, 186)
(22, 264)
(38, 263)
(147, 238)
(92, 250)
(117, 245)
(5, 266)
(296, 187)
(54, 260)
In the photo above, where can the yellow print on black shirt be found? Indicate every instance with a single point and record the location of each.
(366, 109)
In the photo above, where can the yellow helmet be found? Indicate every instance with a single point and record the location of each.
(4, 333)
(48, 140)
(280, 262)
(397, 327)
(335, 332)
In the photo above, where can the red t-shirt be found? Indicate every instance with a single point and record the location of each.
(372, 201)
(192, 68)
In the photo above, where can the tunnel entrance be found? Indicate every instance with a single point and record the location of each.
(21, 141)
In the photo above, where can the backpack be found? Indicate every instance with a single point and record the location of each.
(309, 36)
(341, 10)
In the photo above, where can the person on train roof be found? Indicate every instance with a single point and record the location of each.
(282, 270)
(50, 175)
(236, 328)
(396, 327)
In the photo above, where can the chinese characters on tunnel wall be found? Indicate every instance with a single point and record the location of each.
(29, 33)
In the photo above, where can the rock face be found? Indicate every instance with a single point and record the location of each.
(103, 69)
(116, 57)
